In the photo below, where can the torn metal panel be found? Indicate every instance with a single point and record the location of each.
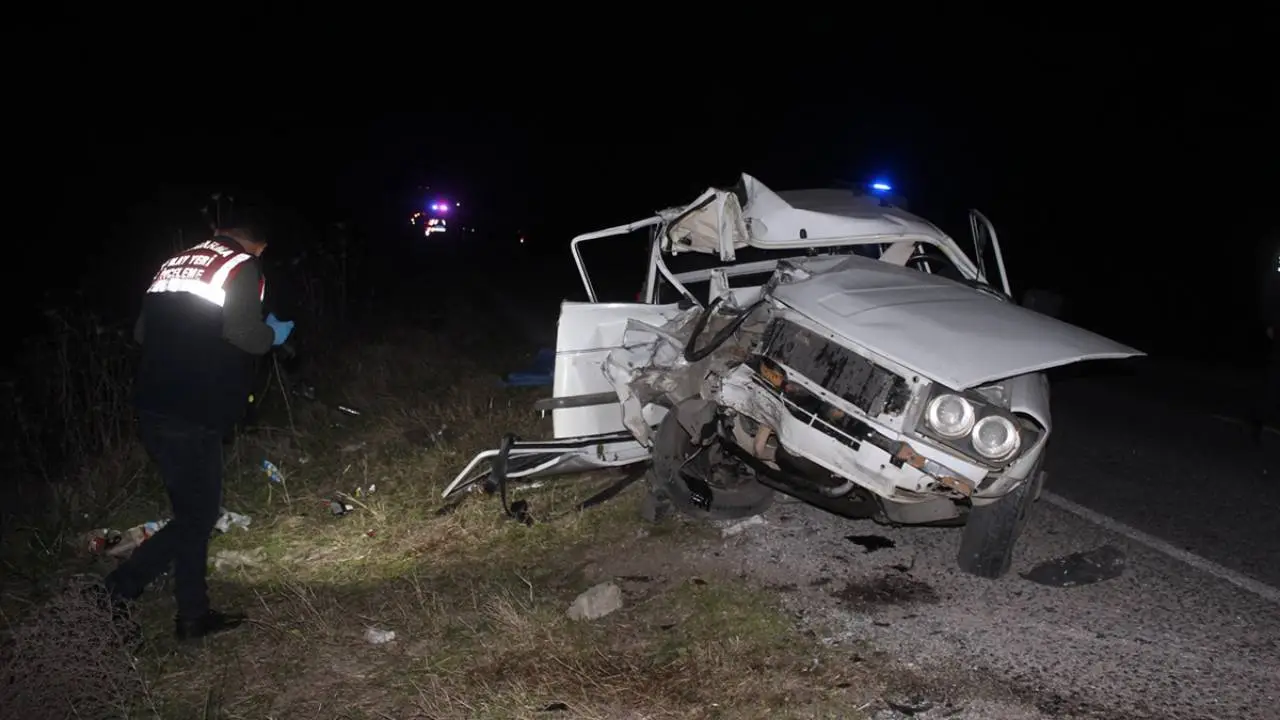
(711, 224)
(870, 463)
(943, 474)
(530, 459)
(651, 366)
(839, 370)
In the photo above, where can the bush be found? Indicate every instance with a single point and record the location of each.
(69, 417)
(70, 659)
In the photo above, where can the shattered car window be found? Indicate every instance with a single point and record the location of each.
(694, 262)
(689, 262)
(700, 288)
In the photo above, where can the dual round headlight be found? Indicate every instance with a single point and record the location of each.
(994, 437)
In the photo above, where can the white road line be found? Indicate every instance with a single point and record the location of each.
(1243, 423)
(1245, 582)
(1230, 419)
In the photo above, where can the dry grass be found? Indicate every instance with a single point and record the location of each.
(71, 660)
(477, 602)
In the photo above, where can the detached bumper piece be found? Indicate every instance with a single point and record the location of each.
(516, 459)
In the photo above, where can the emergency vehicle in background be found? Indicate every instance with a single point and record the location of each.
(435, 218)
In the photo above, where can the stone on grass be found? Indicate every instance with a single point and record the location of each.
(596, 602)
(737, 527)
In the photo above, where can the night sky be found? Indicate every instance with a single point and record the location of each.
(1140, 181)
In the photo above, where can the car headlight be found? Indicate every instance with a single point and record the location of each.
(951, 416)
(995, 437)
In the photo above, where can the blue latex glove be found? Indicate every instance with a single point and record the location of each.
(281, 328)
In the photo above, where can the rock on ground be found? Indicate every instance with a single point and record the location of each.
(597, 602)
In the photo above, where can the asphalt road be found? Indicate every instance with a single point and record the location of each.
(1190, 630)
(1171, 464)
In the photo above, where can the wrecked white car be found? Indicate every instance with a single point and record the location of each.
(838, 349)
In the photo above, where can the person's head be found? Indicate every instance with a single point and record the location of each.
(249, 235)
(246, 238)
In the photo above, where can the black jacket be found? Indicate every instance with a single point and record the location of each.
(197, 356)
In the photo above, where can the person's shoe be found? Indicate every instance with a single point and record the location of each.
(212, 622)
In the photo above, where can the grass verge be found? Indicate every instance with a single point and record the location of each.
(477, 602)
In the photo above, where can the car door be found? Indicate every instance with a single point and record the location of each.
(585, 401)
(585, 406)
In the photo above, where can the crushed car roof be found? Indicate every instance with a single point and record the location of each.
(815, 215)
(780, 216)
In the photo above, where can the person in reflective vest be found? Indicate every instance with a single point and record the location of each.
(200, 328)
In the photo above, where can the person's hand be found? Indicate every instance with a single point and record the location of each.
(281, 328)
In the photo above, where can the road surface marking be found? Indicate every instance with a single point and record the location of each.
(1245, 582)
(1243, 423)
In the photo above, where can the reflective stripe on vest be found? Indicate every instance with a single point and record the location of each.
(203, 271)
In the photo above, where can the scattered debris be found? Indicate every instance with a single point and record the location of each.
(597, 602)
(734, 529)
(232, 519)
(345, 503)
(236, 559)
(99, 540)
(352, 447)
(871, 543)
(555, 707)
(116, 544)
(374, 636)
(348, 410)
(272, 472)
(1082, 568)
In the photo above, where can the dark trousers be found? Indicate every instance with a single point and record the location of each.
(190, 460)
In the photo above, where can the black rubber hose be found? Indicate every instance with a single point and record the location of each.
(693, 355)
(519, 510)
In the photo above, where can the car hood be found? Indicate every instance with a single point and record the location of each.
(944, 330)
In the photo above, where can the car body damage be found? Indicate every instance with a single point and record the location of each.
(876, 371)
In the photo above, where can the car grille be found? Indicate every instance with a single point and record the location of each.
(835, 368)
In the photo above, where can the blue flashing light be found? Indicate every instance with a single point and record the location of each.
(881, 186)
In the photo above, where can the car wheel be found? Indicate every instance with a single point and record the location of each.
(992, 531)
(702, 483)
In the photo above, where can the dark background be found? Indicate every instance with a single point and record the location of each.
(1136, 176)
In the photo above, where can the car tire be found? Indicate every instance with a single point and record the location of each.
(992, 531)
(667, 484)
